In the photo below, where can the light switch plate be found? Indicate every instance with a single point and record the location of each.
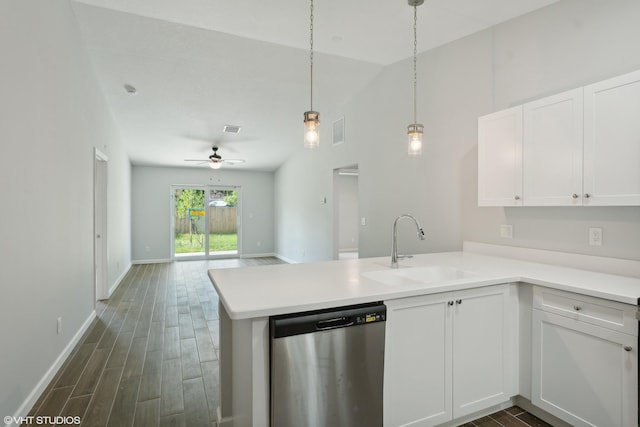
(506, 231)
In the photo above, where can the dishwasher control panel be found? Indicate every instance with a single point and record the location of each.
(323, 320)
(371, 317)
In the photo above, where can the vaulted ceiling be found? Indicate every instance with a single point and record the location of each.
(198, 65)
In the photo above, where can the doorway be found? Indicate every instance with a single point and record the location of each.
(205, 222)
(223, 221)
(346, 213)
(100, 240)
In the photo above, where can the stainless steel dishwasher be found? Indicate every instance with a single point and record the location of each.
(327, 367)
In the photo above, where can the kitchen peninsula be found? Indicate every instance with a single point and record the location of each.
(535, 305)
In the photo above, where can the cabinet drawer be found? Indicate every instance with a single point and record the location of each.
(596, 311)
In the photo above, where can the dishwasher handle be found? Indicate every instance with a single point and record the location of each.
(336, 322)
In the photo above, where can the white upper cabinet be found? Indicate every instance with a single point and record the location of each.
(500, 158)
(552, 150)
(576, 148)
(612, 141)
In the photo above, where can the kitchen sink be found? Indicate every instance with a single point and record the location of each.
(433, 274)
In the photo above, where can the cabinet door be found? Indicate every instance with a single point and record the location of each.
(612, 141)
(500, 158)
(417, 374)
(552, 157)
(483, 349)
(584, 374)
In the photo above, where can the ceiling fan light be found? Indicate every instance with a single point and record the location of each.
(311, 129)
(415, 134)
(215, 164)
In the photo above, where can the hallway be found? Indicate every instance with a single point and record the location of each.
(150, 358)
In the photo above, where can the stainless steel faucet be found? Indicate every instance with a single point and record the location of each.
(394, 238)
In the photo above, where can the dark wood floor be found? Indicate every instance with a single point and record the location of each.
(151, 356)
(511, 417)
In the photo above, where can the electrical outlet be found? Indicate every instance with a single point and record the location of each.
(595, 236)
(506, 231)
(363, 221)
(59, 325)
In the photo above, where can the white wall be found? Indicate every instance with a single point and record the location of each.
(52, 114)
(568, 44)
(152, 210)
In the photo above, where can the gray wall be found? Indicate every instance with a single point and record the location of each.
(152, 210)
(52, 115)
(565, 45)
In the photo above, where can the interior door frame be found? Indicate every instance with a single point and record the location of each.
(338, 209)
(100, 221)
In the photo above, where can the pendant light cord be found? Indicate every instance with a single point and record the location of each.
(311, 52)
(415, 53)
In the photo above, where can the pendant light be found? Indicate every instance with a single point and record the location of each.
(311, 118)
(415, 130)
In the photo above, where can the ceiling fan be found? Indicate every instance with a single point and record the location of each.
(215, 160)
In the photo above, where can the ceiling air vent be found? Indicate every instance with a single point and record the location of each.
(231, 129)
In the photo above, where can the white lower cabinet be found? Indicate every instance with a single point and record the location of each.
(448, 355)
(584, 363)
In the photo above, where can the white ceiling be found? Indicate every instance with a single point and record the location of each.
(201, 64)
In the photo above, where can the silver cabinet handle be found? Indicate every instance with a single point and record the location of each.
(575, 196)
(517, 197)
(449, 303)
(587, 195)
(577, 308)
(458, 301)
(628, 348)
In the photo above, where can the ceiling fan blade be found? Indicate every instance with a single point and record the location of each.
(196, 160)
(233, 161)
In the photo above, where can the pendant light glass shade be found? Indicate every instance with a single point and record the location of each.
(415, 133)
(311, 129)
(311, 118)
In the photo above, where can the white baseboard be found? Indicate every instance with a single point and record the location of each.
(617, 266)
(160, 261)
(262, 255)
(28, 403)
(348, 249)
(119, 280)
(287, 260)
(150, 261)
(223, 422)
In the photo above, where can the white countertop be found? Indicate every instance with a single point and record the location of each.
(251, 292)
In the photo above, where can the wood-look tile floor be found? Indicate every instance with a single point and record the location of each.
(150, 358)
(511, 417)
